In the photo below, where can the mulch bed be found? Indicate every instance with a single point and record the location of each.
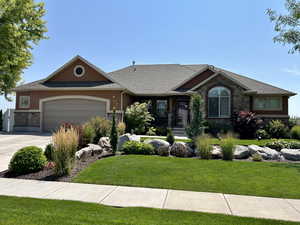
(47, 174)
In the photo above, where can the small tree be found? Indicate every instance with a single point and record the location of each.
(170, 136)
(196, 128)
(114, 133)
(138, 118)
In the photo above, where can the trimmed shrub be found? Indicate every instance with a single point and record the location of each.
(49, 152)
(262, 134)
(204, 147)
(170, 136)
(151, 131)
(88, 135)
(227, 146)
(295, 132)
(101, 127)
(27, 160)
(121, 128)
(278, 145)
(65, 146)
(138, 148)
(277, 129)
(246, 124)
(257, 157)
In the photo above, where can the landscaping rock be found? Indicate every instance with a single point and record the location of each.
(241, 152)
(86, 152)
(96, 149)
(127, 137)
(216, 152)
(265, 152)
(291, 154)
(104, 143)
(181, 149)
(161, 147)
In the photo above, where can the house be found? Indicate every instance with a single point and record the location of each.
(80, 90)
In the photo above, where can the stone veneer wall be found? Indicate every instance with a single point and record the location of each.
(27, 121)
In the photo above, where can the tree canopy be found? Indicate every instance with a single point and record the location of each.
(287, 26)
(21, 27)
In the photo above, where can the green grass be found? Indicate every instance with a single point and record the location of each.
(216, 141)
(237, 177)
(26, 211)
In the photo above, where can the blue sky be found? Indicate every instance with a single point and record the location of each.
(235, 35)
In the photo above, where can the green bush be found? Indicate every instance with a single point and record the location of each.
(204, 146)
(295, 132)
(227, 146)
(257, 157)
(88, 134)
(101, 128)
(294, 145)
(216, 129)
(27, 160)
(151, 131)
(138, 148)
(278, 145)
(49, 152)
(277, 129)
(170, 136)
(161, 131)
(262, 134)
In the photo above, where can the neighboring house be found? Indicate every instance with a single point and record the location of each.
(79, 90)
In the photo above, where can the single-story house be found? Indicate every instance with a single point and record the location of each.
(80, 90)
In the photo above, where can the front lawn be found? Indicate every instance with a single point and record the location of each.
(21, 211)
(216, 141)
(237, 177)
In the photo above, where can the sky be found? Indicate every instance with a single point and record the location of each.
(232, 34)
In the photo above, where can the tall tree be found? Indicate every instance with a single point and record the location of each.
(21, 27)
(287, 26)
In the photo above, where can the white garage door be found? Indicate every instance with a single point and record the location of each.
(75, 111)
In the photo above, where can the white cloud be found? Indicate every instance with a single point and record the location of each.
(295, 70)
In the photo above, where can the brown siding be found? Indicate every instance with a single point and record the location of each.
(197, 79)
(284, 111)
(67, 73)
(127, 100)
(35, 96)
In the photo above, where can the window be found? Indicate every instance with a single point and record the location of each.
(219, 102)
(267, 103)
(24, 101)
(79, 71)
(162, 108)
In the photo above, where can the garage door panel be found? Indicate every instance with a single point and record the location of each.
(76, 111)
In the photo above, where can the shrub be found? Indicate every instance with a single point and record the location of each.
(138, 118)
(294, 145)
(246, 124)
(216, 129)
(257, 157)
(196, 127)
(161, 131)
(295, 132)
(114, 134)
(65, 146)
(170, 136)
(227, 146)
(262, 134)
(292, 122)
(204, 147)
(88, 135)
(101, 127)
(1, 120)
(138, 148)
(121, 128)
(278, 145)
(27, 160)
(151, 131)
(277, 129)
(49, 152)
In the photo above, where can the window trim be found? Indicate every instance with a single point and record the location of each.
(21, 106)
(267, 109)
(219, 103)
(162, 100)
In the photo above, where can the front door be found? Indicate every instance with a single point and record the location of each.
(182, 113)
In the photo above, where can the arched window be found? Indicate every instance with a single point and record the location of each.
(219, 102)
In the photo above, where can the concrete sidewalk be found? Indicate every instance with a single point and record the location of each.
(237, 205)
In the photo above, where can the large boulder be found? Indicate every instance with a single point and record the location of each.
(104, 143)
(241, 152)
(265, 152)
(181, 149)
(291, 154)
(96, 149)
(127, 137)
(216, 152)
(161, 147)
(89, 151)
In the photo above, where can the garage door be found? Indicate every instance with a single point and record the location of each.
(75, 111)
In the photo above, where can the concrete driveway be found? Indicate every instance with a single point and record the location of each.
(10, 143)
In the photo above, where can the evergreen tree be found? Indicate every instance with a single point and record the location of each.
(114, 133)
(1, 120)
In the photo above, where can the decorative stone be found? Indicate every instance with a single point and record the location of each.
(161, 147)
(104, 142)
(180, 149)
(265, 152)
(216, 152)
(291, 154)
(241, 152)
(127, 137)
(89, 151)
(96, 149)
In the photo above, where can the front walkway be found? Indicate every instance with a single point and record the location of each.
(237, 205)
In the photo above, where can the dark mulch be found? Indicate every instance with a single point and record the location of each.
(47, 174)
